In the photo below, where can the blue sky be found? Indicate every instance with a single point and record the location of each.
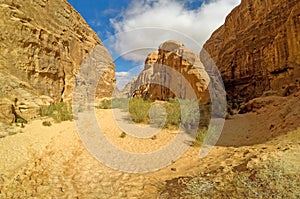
(97, 13)
(131, 29)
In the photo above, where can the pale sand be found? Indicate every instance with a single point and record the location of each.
(18, 148)
(110, 128)
(51, 162)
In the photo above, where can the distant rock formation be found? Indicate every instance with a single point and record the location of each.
(42, 45)
(125, 92)
(257, 50)
(170, 72)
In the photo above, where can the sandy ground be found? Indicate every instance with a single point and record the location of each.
(51, 162)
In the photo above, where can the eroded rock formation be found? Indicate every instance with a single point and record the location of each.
(42, 45)
(257, 50)
(172, 71)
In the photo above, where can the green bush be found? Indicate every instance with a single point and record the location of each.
(200, 135)
(139, 110)
(59, 111)
(173, 113)
(178, 112)
(121, 103)
(105, 104)
(190, 113)
(182, 111)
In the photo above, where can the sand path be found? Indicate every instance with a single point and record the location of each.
(51, 162)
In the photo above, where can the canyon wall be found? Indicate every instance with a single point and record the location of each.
(42, 45)
(257, 50)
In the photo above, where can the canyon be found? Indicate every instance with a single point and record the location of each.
(257, 53)
(42, 47)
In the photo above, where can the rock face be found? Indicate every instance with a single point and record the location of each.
(172, 71)
(126, 91)
(257, 49)
(42, 45)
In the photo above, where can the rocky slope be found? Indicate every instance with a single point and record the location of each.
(42, 45)
(257, 49)
(172, 71)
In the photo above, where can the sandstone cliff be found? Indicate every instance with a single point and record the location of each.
(257, 49)
(172, 71)
(42, 45)
(126, 91)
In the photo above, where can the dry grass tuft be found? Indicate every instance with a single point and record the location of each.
(274, 179)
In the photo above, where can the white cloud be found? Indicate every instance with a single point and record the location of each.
(146, 24)
(124, 77)
(122, 74)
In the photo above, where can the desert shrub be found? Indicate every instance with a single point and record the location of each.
(178, 112)
(271, 179)
(199, 187)
(157, 114)
(275, 179)
(123, 135)
(59, 111)
(121, 103)
(211, 135)
(173, 113)
(184, 112)
(190, 113)
(139, 109)
(200, 135)
(105, 104)
(46, 123)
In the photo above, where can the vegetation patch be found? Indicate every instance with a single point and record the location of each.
(123, 135)
(59, 111)
(139, 110)
(178, 112)
(173, 113)
(200, 135)
(105, 104)
(272, 178)
(46, 123)
(121, 103)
